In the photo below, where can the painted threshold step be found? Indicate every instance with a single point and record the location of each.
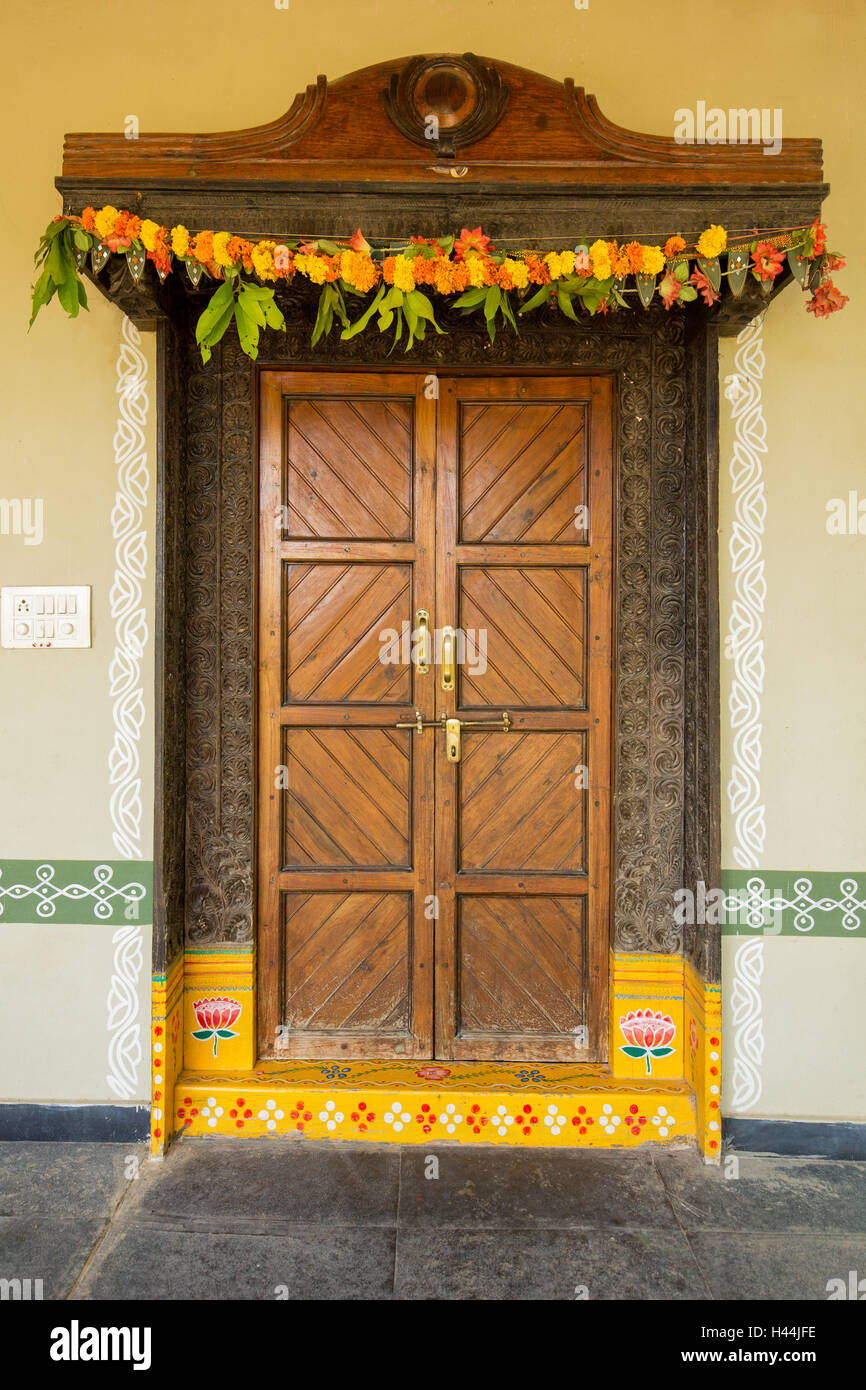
(418, 1102)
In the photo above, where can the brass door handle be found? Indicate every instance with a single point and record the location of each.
(453, 728)
(449, 658)
(422, 626)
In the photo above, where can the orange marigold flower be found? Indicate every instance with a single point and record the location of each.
(88, 219)
(424, 270)
(673, 246)
(504, 279)
(388, 269)
(332, 268)
(459, 276)
(201, 247)
(538, 271)
(621, 264)
(634, 251)
(491, 272)
(241, 250)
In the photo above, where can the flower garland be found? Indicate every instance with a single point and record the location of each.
(596, 276)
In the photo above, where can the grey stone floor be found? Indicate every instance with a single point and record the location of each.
(251, 1219)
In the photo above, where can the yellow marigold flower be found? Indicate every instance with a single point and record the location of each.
(553, 261)
(263, 260)
(317, 269)
(180, 241)
(476, 271)
(220, 248)
(712, 242)
(358, 270)
(519, 272)
(653, 261)
(566, 260)
(105, 220)
(403, 277)
(600, 258)
(149, 232)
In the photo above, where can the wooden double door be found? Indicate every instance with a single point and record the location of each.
(435, 554)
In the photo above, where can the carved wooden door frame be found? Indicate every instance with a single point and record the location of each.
(527, 157)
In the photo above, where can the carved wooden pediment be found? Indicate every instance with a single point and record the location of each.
(432, 120)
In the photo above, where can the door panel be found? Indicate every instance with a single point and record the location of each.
(524, 551)
(345, 852)
(398, 888)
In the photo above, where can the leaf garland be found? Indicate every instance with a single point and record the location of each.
(498, 284)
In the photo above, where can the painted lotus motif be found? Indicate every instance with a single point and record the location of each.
(433, 1073)
(647, 1035)
(215, 1018)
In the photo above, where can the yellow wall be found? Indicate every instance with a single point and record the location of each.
(227, 66)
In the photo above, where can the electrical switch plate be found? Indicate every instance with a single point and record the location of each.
(56, 615)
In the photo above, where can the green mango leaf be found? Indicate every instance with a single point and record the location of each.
(252, 308)
(540, 297)
(218, 327)
(330, 248)
(324, 317)
(43, 293)
(508, 312)
(215, 307)
(82, 297)
(681, 271)
(55, 263)
(424, 309)
(368, 313)
(619, 299)
(447, 244)
(67, 293)
(687, 293)
(470, 299)
(565, 304)
(492, 302)
(274, 316)
(83, 240)
(247, 333)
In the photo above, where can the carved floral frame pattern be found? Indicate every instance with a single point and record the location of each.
(657, 417)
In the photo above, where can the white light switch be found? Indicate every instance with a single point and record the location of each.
(20, 626)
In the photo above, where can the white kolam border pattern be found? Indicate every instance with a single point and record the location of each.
(128, 611)
(745, 648)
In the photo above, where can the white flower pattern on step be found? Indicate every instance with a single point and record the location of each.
(331, 1116)
(271, 1114)
(397, 1116)
(501, 1120)
(553, 1119)
(212, 1112)
(608, 1120)
(450, 1119)
(662, 1120)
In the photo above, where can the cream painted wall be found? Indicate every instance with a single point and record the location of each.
(74, 68)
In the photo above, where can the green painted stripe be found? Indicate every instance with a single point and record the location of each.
(784, 902)
(90, 892)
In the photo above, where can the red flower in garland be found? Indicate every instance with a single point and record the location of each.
(669, 289)
(358, 242)
(768, 261)
(472, 241)
(818, 237)
(702, 284)
(826, 300)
